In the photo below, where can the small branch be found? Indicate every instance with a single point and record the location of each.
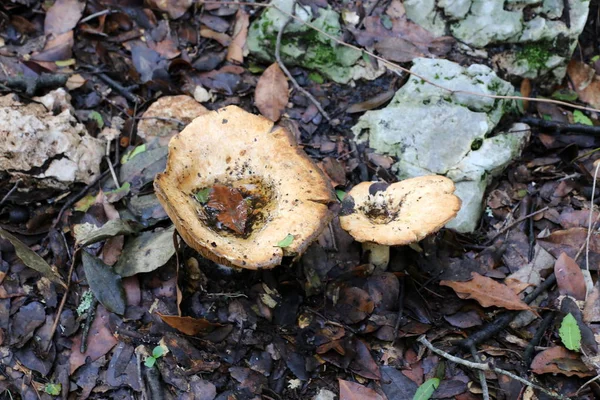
(32, 84)
(482, 380)
(11, 191)
(287, 72)
(486, 367)
(88, 323)
(561, 127)
(517, 222)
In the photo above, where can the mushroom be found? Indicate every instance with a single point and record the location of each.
(256, 169)
(380, 215)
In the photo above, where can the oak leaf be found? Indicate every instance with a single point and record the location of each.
(271, 95)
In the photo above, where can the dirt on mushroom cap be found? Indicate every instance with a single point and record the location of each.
(229, 147)
(400, 213)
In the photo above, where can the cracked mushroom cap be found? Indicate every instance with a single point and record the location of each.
(232, 148)
(400, 213)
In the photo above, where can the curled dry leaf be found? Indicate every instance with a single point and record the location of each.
(188, 325)
(558, 360)
(487, 292)
(236, 50)
(271, 95)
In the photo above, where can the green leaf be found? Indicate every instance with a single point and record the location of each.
(65, 63)
(386, 21)
(150, 361)
(32, 259)
(128, 156)
(286, 241)
(158, 352)
(202, 195)
(53, 389)
(104, 283)
(546, 117)
(595, 58)
(425, 391)
(316, 77)
(565, 95)
(255, 69)
(581, 118)
(95, 115)
(569, 333)
(340, 194)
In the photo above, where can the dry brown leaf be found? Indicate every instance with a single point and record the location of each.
(188, 325)
(271, 95)
(525, 92)
(569, 278)
(63, 16)
(235, 51)
(354, 391)
(591, 310)
(231, 206)
(487, 292)
(223, 39)
(558, 360)
(586, 82)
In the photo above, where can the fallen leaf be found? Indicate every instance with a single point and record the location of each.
(397, 49)
(591, 310)
(487, 292)
(32, 259)
(271, 94)
(354, 391)
(104, 283)
(569, 277)
(363, 363)
(188, 325)
(371, 103)
(558, 360)
(146, 252)
(63, 16)
(236, 50)
(223, 39)
(586, 82)
(86, 234)
(231, 206)
(569, 333)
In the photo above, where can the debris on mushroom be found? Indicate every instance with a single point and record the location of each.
(380, 215)
(241, 192)
(167, 116)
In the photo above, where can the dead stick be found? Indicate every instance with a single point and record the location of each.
(517, 222)
(485, 367)
(287, 72)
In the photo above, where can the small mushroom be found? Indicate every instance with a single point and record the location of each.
(380, 215)
(251, 168)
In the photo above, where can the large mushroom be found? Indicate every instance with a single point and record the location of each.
(380, 215)
(241, 192)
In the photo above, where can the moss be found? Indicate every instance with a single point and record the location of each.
(536, 55)
(494, 86)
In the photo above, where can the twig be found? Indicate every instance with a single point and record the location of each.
(11, 191)
(112, 172)
(395, 66)
(63, 301)
(98, 14)
(517, 222)
(484, 386)
(287, 72)
(174, 120)
(486, 367)
(528, 353)
(561, 127)
(589, 232)
(400, 307)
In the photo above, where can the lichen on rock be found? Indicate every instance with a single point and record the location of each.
(45, 150)
(447, 132)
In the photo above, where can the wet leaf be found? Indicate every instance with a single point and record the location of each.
(271, 94)
(231, 206)
(86, 234)
(188, 325)
(487, 292)
(32, 259)
(569, 277)
(146, 252)
(104, 283)
(286, 241)
(354, 391)
(425, 391)
(569, 333)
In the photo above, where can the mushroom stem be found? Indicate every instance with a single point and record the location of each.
(379, 255)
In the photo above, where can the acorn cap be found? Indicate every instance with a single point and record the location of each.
(243, 151)
(400, 213)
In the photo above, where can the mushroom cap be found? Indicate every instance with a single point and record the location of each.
(234, 148)
(400, 213)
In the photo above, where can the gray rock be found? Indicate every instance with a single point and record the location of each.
(434, 131)
(541, 45)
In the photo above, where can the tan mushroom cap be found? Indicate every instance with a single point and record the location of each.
(233, 147)
(400, 213)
